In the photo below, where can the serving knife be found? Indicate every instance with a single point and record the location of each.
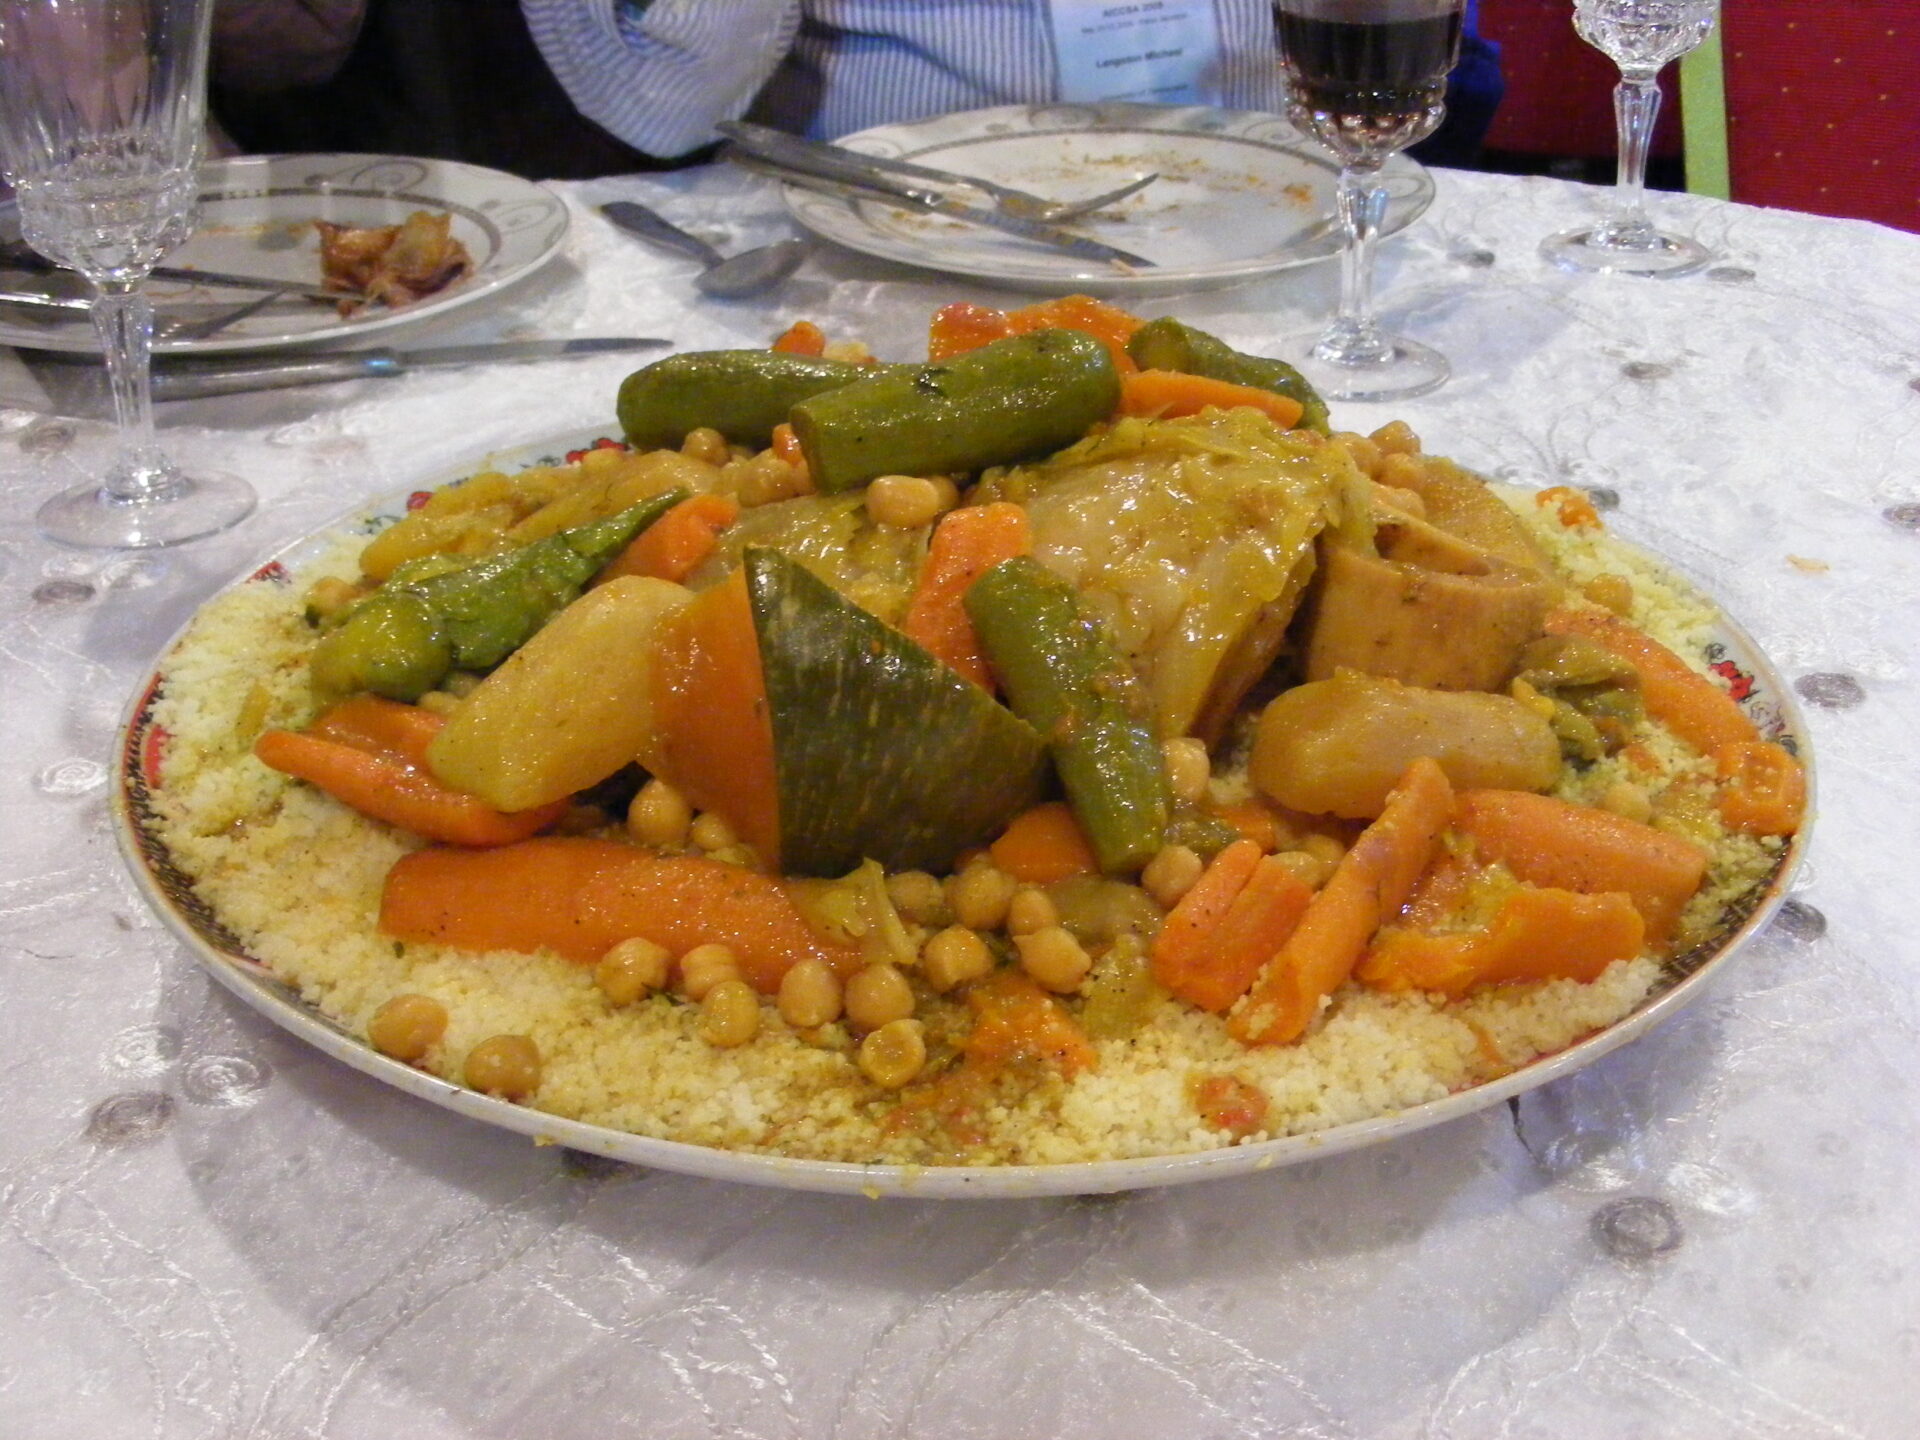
(906, 196)
(202, 378)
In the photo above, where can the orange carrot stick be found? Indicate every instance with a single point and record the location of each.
(674, 545)
(1537, 934)
(1370, 884)
(966, 544)
(380, 727)
(1763, 789)
(1687, 702)
(1043, 845)
(1109, 324)
(803, 337)
(580, 897)
(1550, 842)
(390, 789)
(1169, 394)
(1256, 925)
(960, 327)
(786, 445)
(1253, 820)
(1180, 948)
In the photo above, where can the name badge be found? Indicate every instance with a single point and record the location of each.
(1158, 52)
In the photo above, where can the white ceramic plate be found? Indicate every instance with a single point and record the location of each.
(1240, 194)
(255, 219)
(1732, 653)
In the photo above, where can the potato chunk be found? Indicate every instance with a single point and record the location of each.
(568, 708)
(1336, 747)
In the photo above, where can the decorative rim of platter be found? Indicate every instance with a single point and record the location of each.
(1229, 179)
(252, 209)
(1756, 686)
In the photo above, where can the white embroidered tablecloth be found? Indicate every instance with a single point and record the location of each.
(209, 1230)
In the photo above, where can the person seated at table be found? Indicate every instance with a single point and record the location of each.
(659, 73)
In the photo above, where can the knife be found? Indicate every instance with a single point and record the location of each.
(904, 196)
(19, 257)
(200, 379)
(836, 162)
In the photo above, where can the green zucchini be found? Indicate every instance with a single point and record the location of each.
(880, 751)
(1067, 679)
(1012, 400)
(1167, 344)
(427, 620)
(741, 393)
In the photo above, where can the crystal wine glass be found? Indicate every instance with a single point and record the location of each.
(1367, 78)
(1640, 36)
(102, 114)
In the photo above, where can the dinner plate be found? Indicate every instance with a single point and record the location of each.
(1728, 649)
(1240, 194)
(255, 218)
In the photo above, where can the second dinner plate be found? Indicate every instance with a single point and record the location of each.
(1241, 194)
(256, 218)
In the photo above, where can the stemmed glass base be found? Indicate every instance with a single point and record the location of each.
(1618, 250)
(1345, 364)
(169, 509)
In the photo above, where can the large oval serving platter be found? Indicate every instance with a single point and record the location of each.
(1731, 652)
(1241, 194)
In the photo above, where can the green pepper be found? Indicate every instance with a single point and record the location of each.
(428, 619)
(741, 393)
(1012, 400)
(1167, 344)
(1065, 678)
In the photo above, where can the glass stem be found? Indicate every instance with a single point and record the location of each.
(123, 319)
(1361, 201)
(1636, 105)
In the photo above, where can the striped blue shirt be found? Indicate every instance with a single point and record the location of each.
(659, 73)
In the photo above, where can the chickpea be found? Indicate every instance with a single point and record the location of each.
(918, 897)
(1313, 872)
(659, 816)
(1396, 437)
(439, 702)
(1324, 848)
(980, 895)
(764, 479)
(705, 443)
(809, 995)
(1188, 767)
(876, 995)
(407, 1026)
(949, 491)
(1054, 959)
(1030, 910)
(729, 1015)
(705, 966)
(1627, 800)
(954, 956)
(711, 832)
(1613, 591)
(504, 1065)
(632, 970)
(905, 502)
(1171, 873)
(894, 1054)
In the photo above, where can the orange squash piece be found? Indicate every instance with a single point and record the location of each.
(1044, 845)
(1537, 934)
(1763, 789)
(1677, 695)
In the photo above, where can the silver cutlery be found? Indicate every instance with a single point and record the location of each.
(726, 277)
(888, 192)
(196, 379)
(20, 257)
(836, 162)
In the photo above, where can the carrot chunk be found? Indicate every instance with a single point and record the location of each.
(1044, 845)
(1370, 884)
(803, 337)
(1179, 950)
(674, 545)
(580, 897)
(1550, 842)
(960, 327)
(966, 544)
(1258, 922)
(1537, 934)
(1763, 790)
(1687, 702)
(1169, 394)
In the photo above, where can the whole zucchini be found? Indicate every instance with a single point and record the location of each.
(1167, 344)
(1010, 400)
(741, 393)
(1065, 678)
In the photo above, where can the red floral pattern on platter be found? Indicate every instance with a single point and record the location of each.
(1739, 683)
(272, 571)
(417, 499)
(605, 442)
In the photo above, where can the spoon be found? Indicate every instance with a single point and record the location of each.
(725, 277)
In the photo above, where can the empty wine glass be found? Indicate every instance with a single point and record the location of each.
(1367, 78)
(1640, 36)
(102, 114)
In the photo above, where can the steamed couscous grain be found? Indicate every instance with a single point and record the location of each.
(298, 878)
